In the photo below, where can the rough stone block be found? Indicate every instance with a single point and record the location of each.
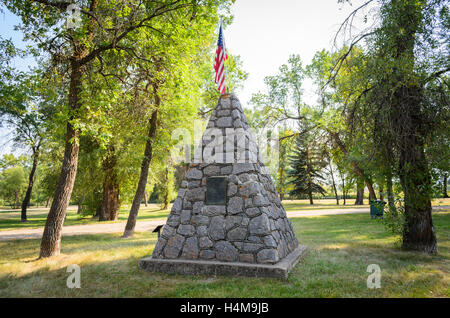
(260, 225)
(226, 252)
(213, 210)
(185, 216)
(173, 246)
(242, 167)
(186, 229)
(267, 256)
(194, 173)
(212, 170)
(205, 242)
(196, 194)
(190, 249)
(217, 228)
(237, 234)
(235, 205)
(224, 122)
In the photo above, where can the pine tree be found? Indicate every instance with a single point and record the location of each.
(306, 165)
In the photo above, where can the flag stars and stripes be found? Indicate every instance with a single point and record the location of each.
(219, 66)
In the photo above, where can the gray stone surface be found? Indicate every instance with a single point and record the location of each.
(224, 122)
(259, 225)
(185, 216)
(217, 228)
(225, 251)
(190, 249)
(249, 227)
(235, 205)
(212, 210)
(173, 246)
(186, 229)
(205, 242)
(242, 167)
(237, 234)
(212, 170)
(267, 256)
(194, 173)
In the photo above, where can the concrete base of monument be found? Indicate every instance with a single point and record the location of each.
(215, 268)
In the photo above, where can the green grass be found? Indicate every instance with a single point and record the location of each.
(340, 249)
(10, 219)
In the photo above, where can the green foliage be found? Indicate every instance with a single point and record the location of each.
(394, 218)
(12, 185)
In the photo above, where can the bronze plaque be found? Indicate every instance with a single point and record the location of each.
(216, 190)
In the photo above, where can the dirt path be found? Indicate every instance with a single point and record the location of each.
(142, 226)
(80, 230)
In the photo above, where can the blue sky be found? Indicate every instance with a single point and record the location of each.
(264, 33)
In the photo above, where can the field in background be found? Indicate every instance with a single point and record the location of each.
(10, 219)
(340, 249)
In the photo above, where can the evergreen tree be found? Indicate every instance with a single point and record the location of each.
(306, 165)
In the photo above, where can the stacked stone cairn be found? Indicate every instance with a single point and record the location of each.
(252, 226)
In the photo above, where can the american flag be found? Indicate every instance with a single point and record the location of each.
(219, 66)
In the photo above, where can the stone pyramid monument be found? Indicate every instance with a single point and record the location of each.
(227, 218)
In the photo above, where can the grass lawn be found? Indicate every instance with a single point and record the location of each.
(340, 249)
(10, 219)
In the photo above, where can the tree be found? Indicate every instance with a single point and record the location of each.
(402, 102)
(12, 185)
(104, 26)
(306, 164)
(25, 106)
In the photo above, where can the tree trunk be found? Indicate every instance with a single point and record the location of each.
(359, 192)
(356, 168)
(131, 222)
(281, 192)
(444, 189)
(343, 186)
(418, 233)
(166, 194)
(48, 202)
(145, 199)
(109, 210)
(334, 183)
(51, 238)
(80, 205)
(310, 198)
(26, 200)
(381, 192)
(390, 194)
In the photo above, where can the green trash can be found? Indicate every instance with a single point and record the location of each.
(376, 208)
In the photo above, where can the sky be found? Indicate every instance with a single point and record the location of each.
(264, 33)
